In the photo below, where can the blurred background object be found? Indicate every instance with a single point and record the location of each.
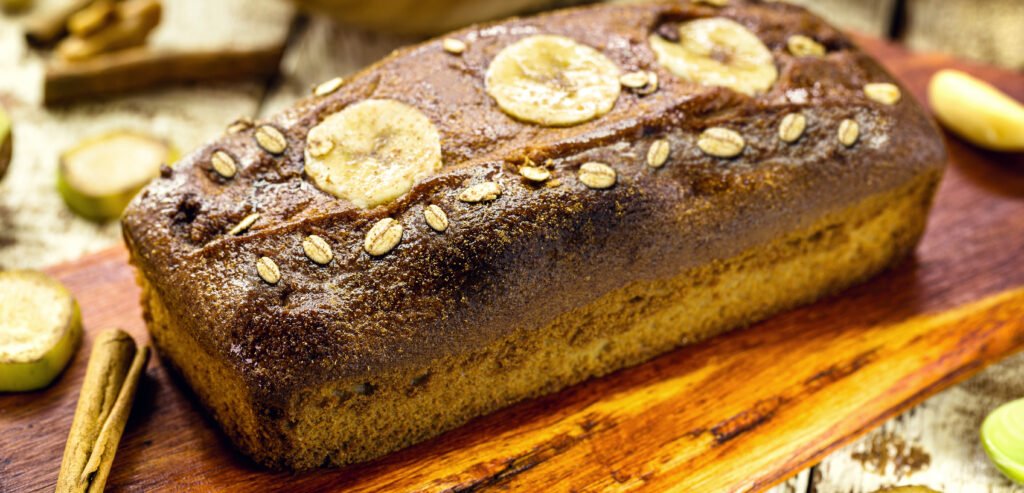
(984, 30)
(874, 17)
(15, 5)
(990, 31)
(37, 228)
(5, 142)
(104, 47)
(424, 16)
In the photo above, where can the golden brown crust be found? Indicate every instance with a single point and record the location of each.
(518, 262)
(347, 421)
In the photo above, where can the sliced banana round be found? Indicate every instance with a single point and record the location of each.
(372, 152)
(40, 327)
(99, 176)
(718, 52)
(1002, 435)
(553, 81)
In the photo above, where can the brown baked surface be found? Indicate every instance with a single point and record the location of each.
(544, 286)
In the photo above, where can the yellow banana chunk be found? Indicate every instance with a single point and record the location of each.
(40, 327)
(718, 52)
(553, 81)
(99, 176)
(977, 111)
(372, 152)
(6, 142)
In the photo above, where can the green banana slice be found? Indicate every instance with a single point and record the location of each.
(1002, 435)
(40, 328)
(6, 142)
(99, 176)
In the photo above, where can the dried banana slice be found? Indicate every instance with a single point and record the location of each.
(99, 176)
(553, 81)
(40, 327)
(977, 111)
(718, 52)
(372, 152)
(6, 142)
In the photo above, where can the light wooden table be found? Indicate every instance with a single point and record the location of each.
(934, 444)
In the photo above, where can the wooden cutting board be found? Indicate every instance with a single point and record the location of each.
(738, 413)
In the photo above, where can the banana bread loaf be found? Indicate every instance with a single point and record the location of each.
(517, 207)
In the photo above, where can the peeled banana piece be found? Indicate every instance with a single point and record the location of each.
(553, 81)
(98, 177)
(372, 152)
(40, 328)
(977, 111)
(6, 142)
(718, 52)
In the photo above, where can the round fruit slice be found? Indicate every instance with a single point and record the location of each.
(99, 176)
(1002, 435)
(372, 152)
(718, 52)
(40, 327)
(6, 142)
(553, 81)
(976, 111)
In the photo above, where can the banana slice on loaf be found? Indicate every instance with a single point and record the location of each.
(553, 80)
(718, 52)
(372, 151)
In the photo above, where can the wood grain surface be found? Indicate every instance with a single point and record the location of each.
(737, 413)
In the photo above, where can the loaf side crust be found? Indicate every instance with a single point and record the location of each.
(353, 420)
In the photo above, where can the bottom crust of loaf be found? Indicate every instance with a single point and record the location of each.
(353, 421)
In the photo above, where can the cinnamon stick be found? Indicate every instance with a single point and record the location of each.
(104, 404)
